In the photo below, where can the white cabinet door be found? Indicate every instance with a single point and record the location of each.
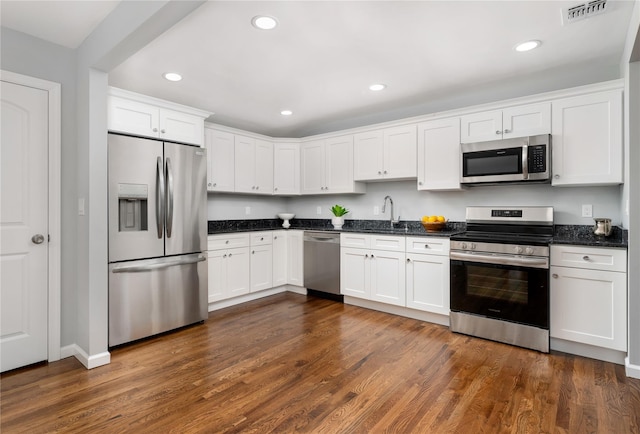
(261, 267)
(400, 149)
(181, 127)
(295, 258)
(221, 160)
(439, 155)
(238, 280)
(368, 155)
(217, 271)
(133, 117)
(245, 163)
(312, 162)
(280, 262)
(481, 127)
(339, 165)
(263, 167)
(428, 283)
(286, 168)
(589, 306)
(387, 277)
(526, 120)
(587, 139)
(355, 273)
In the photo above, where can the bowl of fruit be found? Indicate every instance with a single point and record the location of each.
(433, 223)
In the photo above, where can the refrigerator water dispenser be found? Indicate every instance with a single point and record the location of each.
(132, 207)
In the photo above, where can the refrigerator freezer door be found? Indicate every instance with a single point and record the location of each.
(186, 199)
(136, 198)
(156, 295)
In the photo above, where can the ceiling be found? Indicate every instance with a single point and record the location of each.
(322, 57)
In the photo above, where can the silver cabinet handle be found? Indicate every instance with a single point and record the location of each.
(37, 239)
(554, 275)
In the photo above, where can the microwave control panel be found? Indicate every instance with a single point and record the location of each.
(537, 159)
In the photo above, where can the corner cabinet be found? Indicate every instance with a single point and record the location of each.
(588, 296)
(141, 115)
(439, 154)
(517, 121)
(221, 156)
(587, 140)
(286, 168)
(327, 167)
(388, 154)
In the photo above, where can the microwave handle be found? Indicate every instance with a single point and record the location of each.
(525, 162)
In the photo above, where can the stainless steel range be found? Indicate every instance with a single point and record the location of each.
(500, 275)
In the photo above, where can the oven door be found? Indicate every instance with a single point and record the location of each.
(501, 287)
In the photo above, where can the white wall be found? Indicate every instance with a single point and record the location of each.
(411, 204)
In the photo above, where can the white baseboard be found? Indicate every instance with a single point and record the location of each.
(632, 371)
(399, 310)
(88, 361)
(296, 289)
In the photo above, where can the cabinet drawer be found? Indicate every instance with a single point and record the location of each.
(225, 241)
(261, 238)
(358, 241)
(429, 245)
(388, 243)
(592, 258)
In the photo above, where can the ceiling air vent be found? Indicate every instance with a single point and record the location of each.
(582, 11)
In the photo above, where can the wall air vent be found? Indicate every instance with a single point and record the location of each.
(582, 11)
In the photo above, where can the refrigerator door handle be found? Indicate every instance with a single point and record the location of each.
(156, 264)
(169, 198)
(159, 197)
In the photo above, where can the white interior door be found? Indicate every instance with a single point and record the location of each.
(23, 226)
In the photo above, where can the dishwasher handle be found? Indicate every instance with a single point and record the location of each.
(319, 237)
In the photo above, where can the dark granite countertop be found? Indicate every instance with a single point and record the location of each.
(563, 234)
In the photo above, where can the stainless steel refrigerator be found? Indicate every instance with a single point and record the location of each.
(157, 237)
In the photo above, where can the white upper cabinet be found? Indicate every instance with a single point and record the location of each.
(518, 121)
(141, 115)
(439, 154)
(327, 166)
(253, 165)
(286, 168)
(387, 154)
(587, 139)
(220, 155)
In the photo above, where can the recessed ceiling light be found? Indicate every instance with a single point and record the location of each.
(286, 112)
(377, 87)
(527, 46)
(172, 76)
(264, 22)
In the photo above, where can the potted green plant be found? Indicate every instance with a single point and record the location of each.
(338, 219)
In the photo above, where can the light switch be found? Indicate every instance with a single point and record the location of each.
(376, 210)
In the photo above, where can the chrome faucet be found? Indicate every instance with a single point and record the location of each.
(384, 205)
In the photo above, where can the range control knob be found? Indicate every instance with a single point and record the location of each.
(464, 246)
(473, 246)
(519, 250)
(528, 251)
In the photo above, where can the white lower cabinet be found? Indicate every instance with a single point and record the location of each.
(261, 267)
(295, 257)
(370, 273)
(589, 296)
(428, 276)
(228, 262)
(279, 258)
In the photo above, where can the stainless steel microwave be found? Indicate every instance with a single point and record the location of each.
(523, 159)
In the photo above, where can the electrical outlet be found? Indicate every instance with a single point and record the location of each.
(319, 210)
(587, 210)
(247, 210)
(81, 206)
(376, 210)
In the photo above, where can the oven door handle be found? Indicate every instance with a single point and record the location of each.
(518, 261)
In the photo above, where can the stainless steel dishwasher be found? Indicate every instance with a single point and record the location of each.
(322, 264)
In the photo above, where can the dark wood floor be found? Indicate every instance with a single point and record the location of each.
(289, 363)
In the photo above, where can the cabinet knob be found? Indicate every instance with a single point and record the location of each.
(209, 184)
(229, 254)
(366, 255)
(554, 275)
(372, 256)
(261, 238)
(275, 237)
(162, 131)
(586, 258)
(426, 246)
(556, 176)
(253, 187)
(155, 130)
(385, 172)
(224, 256)
(408, 260)
(275, 188)
(379, 172)
(257, 187)
(507, 131)
(253, 252)
(498, 132)
(226, 242)
(214, 184)
(420, 183)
